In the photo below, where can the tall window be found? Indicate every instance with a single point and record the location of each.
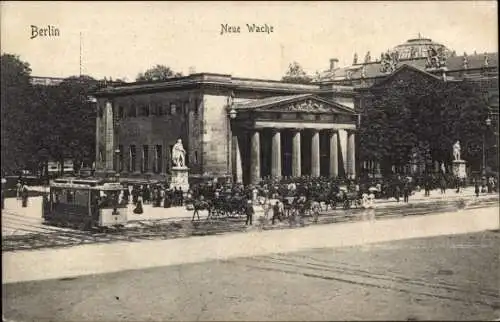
(121, 112)
(173, 109)
(196, 110)
(120, 158)
(145, 158)
(132, 158)
(144, 110)
(132, 112)
(158, 159)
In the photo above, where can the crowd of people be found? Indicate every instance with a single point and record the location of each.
(317, 189)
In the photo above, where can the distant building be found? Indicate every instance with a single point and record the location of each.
(46, 81)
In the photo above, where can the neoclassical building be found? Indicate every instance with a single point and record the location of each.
(247, 129)
(243, 129)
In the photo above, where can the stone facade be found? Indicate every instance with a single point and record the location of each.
(148, 118)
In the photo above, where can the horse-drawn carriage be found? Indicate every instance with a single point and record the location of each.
(220, 205)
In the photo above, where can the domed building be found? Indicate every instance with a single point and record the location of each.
(418, 59)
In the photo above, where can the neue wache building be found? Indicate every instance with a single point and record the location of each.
(246, 129)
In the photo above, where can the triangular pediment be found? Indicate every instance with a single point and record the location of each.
(308, 103)
(406, 73)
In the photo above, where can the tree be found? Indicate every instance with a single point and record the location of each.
(157, 73)
(16, 104)
(296, 74)
(422, 114)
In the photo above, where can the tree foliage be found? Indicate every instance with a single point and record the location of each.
(296, 74)
(157, 73)
(423, 114)
(42, 123)
(15, 109)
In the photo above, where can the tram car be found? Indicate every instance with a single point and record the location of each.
(84, 204)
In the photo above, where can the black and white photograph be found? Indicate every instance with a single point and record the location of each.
(249, 161)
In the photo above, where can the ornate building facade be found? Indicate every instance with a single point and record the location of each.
(238, 128)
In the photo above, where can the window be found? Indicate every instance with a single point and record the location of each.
(195, 157)
(196, 108)
(132, 111)
(121, 112)
(132, 158)
(186, 108)
(173, 109)
(120, 158)
(158, 159)
(144, 110)
(145, 158)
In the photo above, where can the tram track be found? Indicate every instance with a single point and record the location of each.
(64, 237)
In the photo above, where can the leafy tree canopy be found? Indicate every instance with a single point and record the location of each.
(296, 74)
(157, 73)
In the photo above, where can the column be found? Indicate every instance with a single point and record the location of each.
(236, 160)
(255, 158)
(109, 137)
(276, 155)
(351, 155)
(334, 154)
(315, 167)
(97, 137)
(296, 162)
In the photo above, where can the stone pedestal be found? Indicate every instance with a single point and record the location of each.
(180, 178)
(459, 169)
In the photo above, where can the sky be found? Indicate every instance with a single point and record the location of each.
(121, 39)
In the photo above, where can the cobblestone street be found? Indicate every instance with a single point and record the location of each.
(439, 278)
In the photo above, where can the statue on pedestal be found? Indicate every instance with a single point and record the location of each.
(178, 154)
(456, 151)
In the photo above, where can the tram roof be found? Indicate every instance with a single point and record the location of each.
(90, 183)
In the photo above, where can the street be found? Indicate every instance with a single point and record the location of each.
(439, 278)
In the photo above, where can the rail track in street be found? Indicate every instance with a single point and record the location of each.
(35, 236)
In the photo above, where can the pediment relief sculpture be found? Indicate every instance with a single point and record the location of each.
(308, 106)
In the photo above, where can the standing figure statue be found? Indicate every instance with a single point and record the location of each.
(178, 154)
(456, 150)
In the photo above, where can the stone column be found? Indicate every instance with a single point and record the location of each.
(351, 154)
(109, 137)
(296, 161)
(236, 160)
(334, 154)
(315, 157)
(255, 158)
(276, 155)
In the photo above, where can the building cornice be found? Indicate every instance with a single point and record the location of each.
(219, 81)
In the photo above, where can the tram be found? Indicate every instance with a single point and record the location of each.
(84, 204)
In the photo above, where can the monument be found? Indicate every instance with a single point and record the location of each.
(180, 172)
(458, 163)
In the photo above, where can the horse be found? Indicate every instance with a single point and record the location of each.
(200, 204)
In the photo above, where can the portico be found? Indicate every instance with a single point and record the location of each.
(301, 135)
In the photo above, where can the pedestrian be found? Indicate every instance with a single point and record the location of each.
(18, 189)
(181, 196)
(3, 200)
(249, 212)
(476, 188)
(126, 195)
(24, 196)
(276, 212)
(138, 209)
(397, 192)
(406, 192)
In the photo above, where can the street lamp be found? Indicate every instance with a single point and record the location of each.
(488, 123)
